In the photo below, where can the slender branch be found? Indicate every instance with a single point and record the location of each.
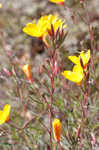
(21, 98)
(60, 146)
(52, 66)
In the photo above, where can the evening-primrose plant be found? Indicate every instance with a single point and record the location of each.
(56, 113)
(53, 27)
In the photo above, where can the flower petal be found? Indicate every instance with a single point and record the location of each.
(73, 76)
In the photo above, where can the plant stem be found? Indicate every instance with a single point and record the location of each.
(52, 66)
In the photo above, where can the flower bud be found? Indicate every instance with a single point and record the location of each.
(57, 129)
(8, 73)
(27, 70)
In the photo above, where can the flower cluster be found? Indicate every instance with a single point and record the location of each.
(43, 26)
(4, 114)
(80, 66)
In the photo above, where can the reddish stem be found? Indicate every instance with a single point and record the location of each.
(52, 66)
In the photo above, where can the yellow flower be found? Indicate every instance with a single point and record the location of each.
(4, 115)
(76, 75)
(27, 70)
(78, 70)
(55, 22)
(57, 129)
(43, 26)
(57, 1)
(83, 56)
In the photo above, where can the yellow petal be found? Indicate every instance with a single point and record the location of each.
(1, 120)
(31, 29)
(74, 59)
(7, 108)
(85, 57)
(1, 112)
(78, 68)
(73, 76)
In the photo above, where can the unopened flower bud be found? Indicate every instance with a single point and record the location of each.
(93, 139)
(7, 72)
(27, 70)
(57, 129)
